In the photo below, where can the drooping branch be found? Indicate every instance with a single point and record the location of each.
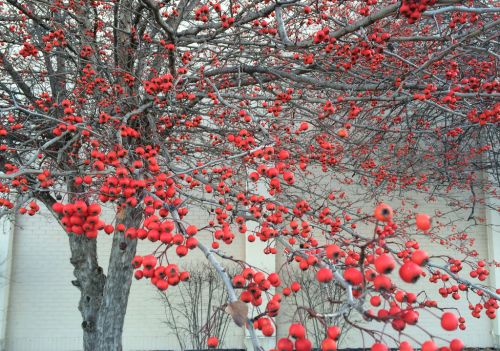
(223, 275)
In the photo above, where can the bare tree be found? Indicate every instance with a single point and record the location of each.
(196, 311)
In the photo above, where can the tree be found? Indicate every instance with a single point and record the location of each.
(194, 314)
(156, 107)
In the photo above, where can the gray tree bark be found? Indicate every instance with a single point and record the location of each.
(90, 280)
(117, 288)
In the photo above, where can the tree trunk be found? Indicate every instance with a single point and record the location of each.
(90, 281)
(103, 300)
(117, 288)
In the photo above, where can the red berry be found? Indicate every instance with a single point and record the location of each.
(268, 330)
(449, 321)
(411, 317)
(149, 261)
(212, 342)
(423, 221)
(456, 345)
(410, 272)
(191, 230)
(58, 207)
(333, 332)
(379, 347)
(295, 287)
(238, 281)
(342, 133)
(384, 264)
(333, 251)
(405, 346)
(429, 346)
(420, 257)
(375, 301)
(353, 276)
(94, 209)
(328, 345)
(324, 275)
(383, 212)
(303, 345)
(297, 331)
(382, 282)
(284, 344)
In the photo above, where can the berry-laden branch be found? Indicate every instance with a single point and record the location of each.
(233, 299)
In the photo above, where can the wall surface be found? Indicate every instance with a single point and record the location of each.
(6, 234)
(42, 310)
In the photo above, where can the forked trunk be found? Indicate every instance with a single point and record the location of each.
(103, 300)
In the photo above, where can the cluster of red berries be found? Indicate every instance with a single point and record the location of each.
(461, 18)
(399, 318)
(308, 59)
(322, 35)
(487, 116)
(155, 230)
(426, 93)
(273, 173)
(225, 234)
(157, 85)
(265, 325)
(480, 272)
(80, 218)
(298, 341)
(33, 209)
(254, 284)
(202, 13)
(452, 290)
(28, 49)
(6, 202)
(45, 179)
(86, 51)
(161, 276)
(490, 306)
(452, 71)
(274, 107)
(413, 9)
(243, 140)
(227, 21)
(54, 39)
(265, 27)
